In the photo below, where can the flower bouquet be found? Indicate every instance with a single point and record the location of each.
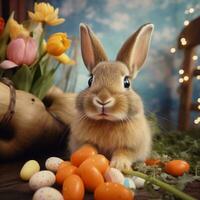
(31, 108)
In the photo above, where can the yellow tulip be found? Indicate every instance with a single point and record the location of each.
(57, 44)
(44, 46)
(44, 12)
(65, 59)
(17, 30)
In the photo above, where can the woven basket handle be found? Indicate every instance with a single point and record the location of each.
(11, 108)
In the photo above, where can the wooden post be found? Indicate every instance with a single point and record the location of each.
(186, 91)
(190, 35)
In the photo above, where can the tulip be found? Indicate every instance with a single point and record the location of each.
(44, 12)
(22, 51)
(65, 59)
(17, 30)
(7, 64)
(57, 44)
(2, 24)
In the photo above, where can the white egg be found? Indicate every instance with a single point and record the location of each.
(52, 163)
(129, 183)
(42, 179)
(139, 182)
(114, 175)
(47, 193)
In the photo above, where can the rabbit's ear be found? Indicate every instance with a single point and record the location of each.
(134, 51)
(91, 48)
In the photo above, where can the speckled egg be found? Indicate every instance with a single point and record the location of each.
(139, 182)
(129, 183)
(28, 169)
(42, 179)
(52, 163)
(47, 193)
(114, 175)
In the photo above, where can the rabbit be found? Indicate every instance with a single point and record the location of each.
(110, 114)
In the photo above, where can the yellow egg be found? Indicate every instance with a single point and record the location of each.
(29, 168)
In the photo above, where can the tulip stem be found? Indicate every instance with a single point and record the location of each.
(39, 59)
(161, 184)
(56, 67)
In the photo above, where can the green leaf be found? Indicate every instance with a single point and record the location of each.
(40, 47)
(40, 69)
(37, 71)
(42, 85)
(23, 78)
(4, 38)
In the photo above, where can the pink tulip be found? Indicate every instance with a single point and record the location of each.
(22, 51)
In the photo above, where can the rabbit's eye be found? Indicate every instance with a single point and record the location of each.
(126, 82)
(90, 81)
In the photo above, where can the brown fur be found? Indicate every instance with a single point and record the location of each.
(123, 134)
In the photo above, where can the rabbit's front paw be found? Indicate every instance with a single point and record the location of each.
(121, 163)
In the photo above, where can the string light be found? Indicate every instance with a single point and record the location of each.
(198, 100)
(181, 71)
(183, 41)
(198, 77)
(173, 50)
(198, 67)
(181, 80)
(198, 107)
(197, 120)
(185, 78)
(191, 10)
(186, 22)
(195, 57)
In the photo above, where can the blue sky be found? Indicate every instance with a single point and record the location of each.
(114, 20)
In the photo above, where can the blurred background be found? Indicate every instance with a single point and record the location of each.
(113, 21)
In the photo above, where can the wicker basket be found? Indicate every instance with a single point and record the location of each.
(29, 124)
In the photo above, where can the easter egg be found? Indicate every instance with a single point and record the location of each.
(82, 154)
(177, 167)
(114, 191)
(129, 183)
(139, 182)
(47, 193)
(53, 163)
(114, 175)
(64, 172)
(42, 179)
(29, 168)
(99, 161)
(63, 164)
(91, 176)
(73, 188)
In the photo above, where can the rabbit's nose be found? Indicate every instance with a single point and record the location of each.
(100, 103)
